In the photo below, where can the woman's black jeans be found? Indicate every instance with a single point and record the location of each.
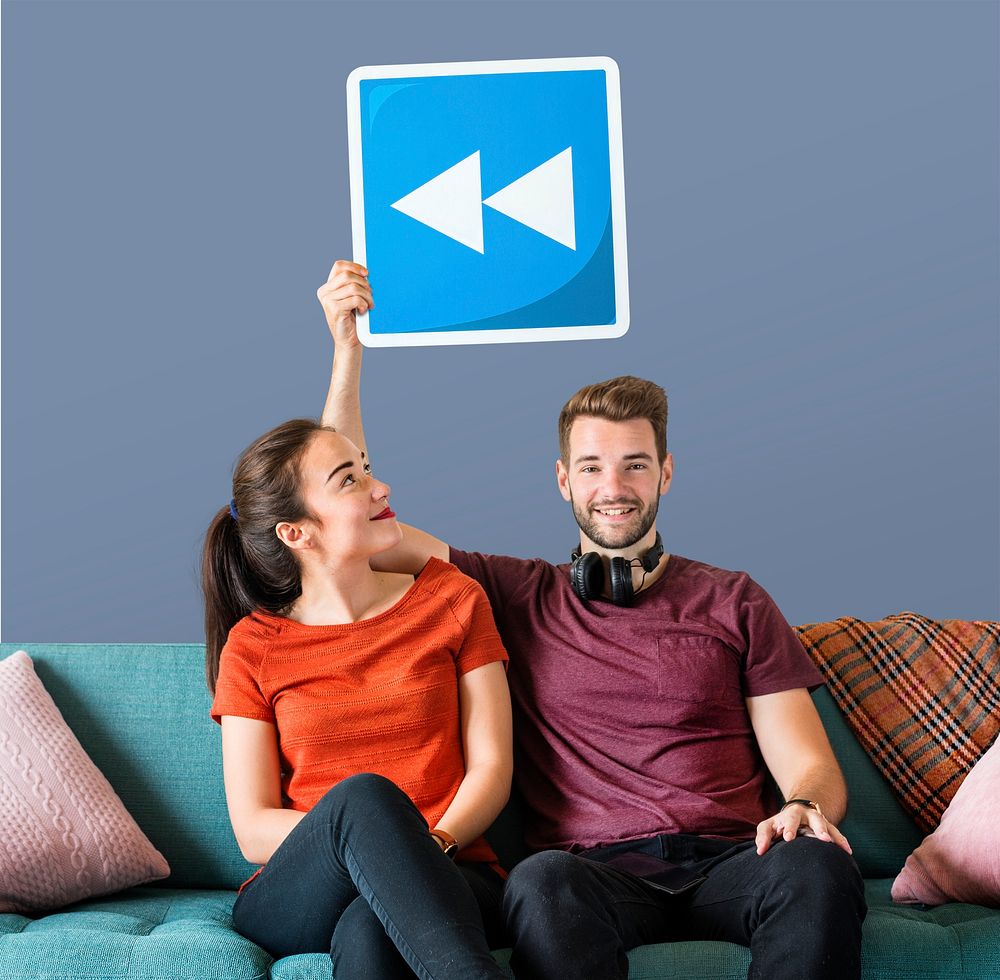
(360, 878)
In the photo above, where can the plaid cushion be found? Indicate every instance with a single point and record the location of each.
(921, 696)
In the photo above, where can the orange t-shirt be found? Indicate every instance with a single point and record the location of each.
(379, 695)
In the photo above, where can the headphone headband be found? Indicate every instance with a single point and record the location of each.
(649, 560)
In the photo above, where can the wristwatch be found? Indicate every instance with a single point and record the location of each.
(448, 843)
(812, 804)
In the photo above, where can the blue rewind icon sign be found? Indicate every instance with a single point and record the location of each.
(487, 201)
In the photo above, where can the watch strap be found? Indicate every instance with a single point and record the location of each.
(812, 804)
(448, 843)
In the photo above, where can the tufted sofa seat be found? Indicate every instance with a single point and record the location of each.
(144, 932)
(167, 932)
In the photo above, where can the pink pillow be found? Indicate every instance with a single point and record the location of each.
(64, 833)
(960, 861)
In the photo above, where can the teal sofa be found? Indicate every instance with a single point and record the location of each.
(141, 712)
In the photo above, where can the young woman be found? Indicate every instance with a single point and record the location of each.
(365, 716)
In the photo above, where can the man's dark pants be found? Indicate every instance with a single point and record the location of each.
(799, 907)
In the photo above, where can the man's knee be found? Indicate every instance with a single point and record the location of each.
(547, 879)
(816, 871)
(564, 920)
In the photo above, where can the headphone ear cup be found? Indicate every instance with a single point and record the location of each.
(586, 575)
(621, 582)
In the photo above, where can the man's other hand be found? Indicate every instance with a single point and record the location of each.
(794, 820)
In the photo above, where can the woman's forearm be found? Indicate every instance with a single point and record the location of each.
(345, 294)
(343, 400)
(264, 832)
(486, 741)
(480, 798)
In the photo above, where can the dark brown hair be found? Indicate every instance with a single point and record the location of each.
(617, 400)
(245, 565)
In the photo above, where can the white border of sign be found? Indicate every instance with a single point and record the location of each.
(437, 338)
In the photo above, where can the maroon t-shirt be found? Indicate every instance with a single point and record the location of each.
(631, 721)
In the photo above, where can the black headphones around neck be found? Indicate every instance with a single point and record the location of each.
(586, 573)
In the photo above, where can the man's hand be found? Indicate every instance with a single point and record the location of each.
(345, 292)
(794, 820)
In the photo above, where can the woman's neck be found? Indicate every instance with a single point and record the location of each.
(346, 594)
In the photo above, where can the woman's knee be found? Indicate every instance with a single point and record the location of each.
(365, 790)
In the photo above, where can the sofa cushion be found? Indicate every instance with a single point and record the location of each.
(66, 835)
(316, 966)
(140, 712)
(185, 933)
(960, 861)
(954, 940)
(920, 695)
(664, 961)
(141, 933)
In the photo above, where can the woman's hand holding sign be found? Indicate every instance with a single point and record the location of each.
(345, 294)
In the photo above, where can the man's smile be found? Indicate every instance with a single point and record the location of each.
(615, 513)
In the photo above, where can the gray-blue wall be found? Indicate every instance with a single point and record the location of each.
(813, 248)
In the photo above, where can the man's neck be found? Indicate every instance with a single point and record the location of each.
(641, 579)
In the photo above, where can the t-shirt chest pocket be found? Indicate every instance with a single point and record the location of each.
(696, 668)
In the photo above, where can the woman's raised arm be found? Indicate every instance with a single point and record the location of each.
(345, 293)
(342, 296)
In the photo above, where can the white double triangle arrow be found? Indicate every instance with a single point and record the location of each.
(542, 199)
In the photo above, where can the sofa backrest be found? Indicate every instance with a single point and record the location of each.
(881, 832)
(141, 713)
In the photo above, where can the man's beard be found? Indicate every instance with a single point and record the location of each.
(617, 538)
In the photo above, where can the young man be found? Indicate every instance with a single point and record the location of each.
(653, 694)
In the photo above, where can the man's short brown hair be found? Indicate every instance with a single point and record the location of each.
(617, 400)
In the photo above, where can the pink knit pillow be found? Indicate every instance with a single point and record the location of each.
(960, 861)
(64, 833)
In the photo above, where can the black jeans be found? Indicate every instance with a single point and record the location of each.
(360, 878)
(799, 907)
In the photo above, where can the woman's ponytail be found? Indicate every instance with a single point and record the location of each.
(225, 586)
(245, 566)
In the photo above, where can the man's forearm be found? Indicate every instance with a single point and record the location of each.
(824, 786)
(343, 400)
(410, 556)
